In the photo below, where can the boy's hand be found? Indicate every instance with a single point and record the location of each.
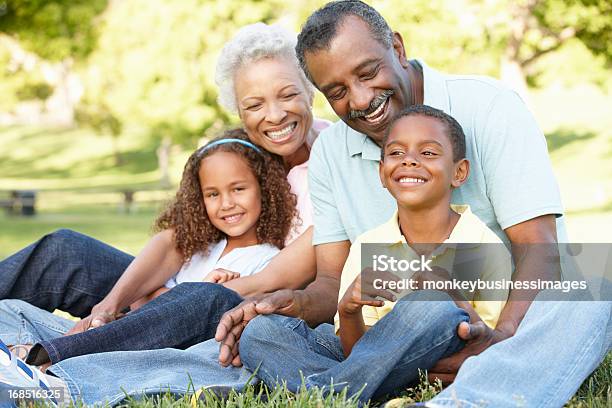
(220, 276)
(362, 292)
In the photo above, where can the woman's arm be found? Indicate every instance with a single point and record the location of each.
(283, 272)
(156, 263)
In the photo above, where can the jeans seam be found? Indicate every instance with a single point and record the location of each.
(73, 388)
(52, 351)
(59, 330)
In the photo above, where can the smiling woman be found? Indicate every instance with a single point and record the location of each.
(259, 79)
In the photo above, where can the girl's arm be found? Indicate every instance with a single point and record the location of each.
(156, 263)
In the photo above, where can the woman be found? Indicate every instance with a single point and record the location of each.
(259, 78)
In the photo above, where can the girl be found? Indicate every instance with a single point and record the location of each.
(232, 212)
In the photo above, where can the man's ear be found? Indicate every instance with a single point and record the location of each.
(399, 49)
(462, 170)
(380, 173)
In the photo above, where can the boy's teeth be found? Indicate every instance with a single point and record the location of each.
(281, 133)
(411, 180)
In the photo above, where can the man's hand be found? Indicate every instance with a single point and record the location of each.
(479, 337)
(220, 276)
(234, 321)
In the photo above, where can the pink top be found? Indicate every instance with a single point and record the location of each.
(298, 179)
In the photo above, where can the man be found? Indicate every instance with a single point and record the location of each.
(512, 188)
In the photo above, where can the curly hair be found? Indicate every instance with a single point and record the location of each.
(186, 214)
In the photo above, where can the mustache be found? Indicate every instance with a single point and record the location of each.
(375, 104)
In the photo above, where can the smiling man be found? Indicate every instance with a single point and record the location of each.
(351, 55)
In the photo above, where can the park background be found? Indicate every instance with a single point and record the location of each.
(101, 99)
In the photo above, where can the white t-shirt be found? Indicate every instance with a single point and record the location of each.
(246, 261)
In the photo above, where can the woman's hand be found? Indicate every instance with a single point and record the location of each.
(97, 318)
(220, 276)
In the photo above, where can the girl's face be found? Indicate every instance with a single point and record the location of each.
(232, 196)
(273, 104)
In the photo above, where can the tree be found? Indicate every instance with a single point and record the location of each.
(539, 27)
(154, 64)
(58, 33)
(53, 29)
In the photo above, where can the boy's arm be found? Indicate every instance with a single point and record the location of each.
(352, 328)
(155, 264)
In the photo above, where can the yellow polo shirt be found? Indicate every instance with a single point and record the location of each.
(470, 232)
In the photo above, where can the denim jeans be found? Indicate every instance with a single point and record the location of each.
(185, 315)
(64, 270)
(420, 330)
(137, 372)
(557, 345)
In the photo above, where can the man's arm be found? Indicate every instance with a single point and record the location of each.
(533, 248)
(315, 304)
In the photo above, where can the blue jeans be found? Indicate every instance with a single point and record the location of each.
(136, 372)
(186, 315)
(420, 330)
(64, 270)
(541, 366)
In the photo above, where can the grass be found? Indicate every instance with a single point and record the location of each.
(79, 187)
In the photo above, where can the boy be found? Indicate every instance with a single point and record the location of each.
(382, 345)
(422, 162)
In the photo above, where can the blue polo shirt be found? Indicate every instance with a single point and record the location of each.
(511, 178)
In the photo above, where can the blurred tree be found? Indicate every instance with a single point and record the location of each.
(100, 118)
(53, 29)
(154, 65)
(58, 32)
(499, 37)
(538, 27)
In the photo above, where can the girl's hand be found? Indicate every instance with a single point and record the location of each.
(220, 276)
(362, 292)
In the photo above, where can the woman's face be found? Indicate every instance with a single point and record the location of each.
(273, 104)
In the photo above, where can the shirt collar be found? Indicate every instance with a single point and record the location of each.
(467, 232)
(358, 143)
(435, 93)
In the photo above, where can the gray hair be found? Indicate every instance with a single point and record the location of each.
(322, 25)
(251, 44)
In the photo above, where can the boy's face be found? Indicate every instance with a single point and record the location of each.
(417, 166)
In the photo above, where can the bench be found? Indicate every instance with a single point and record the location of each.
(20, 202)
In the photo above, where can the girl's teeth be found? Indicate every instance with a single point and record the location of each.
(281, 133)
(232, 218)
(411, 180)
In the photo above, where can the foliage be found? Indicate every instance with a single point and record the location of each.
(54, 29)
(157, 70)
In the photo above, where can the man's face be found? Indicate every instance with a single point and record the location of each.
(365, 83)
